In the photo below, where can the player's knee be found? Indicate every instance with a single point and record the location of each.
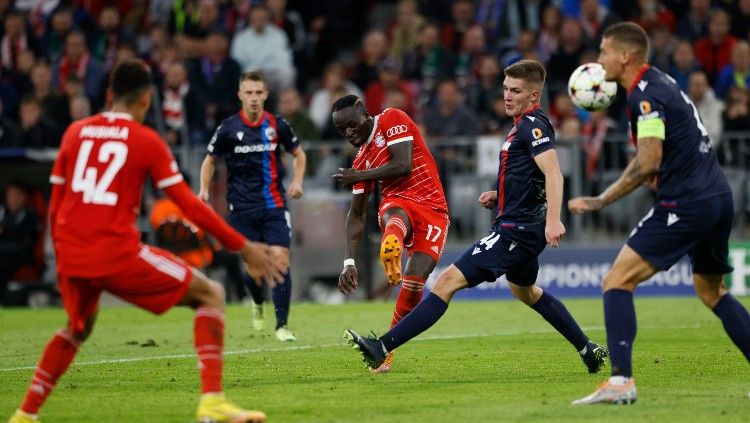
(448, 282)
(217, 295)
(616, 280)
(711, 295)
(524, 294)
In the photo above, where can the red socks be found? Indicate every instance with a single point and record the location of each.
(209, 345)
(396, 226)
(408, 297)
(56, 358)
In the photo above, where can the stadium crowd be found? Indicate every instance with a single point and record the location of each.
(440, 61)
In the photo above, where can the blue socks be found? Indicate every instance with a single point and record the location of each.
(619, 319)
(554, 312)
(282, 296)
(736, 322)
(424, 315)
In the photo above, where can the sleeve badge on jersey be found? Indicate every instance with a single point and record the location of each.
(379, 140)
(645, 107)
(537, 133)
(270, 133)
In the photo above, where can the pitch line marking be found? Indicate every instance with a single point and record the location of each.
(309, 347)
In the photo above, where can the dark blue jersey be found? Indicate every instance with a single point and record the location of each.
(521, 196)
(689, 170)
(253, 160)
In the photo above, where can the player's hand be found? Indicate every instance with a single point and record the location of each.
(203, 195)
(262, 264)
(348, 280)
(580, 205)
(295, 190)
(554, 232)
(346, 176)
(488, 199)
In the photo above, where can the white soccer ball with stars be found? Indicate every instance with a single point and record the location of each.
(588, 89)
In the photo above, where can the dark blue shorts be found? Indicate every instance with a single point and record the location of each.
(699, 229)
(511, 250)
(272, 226)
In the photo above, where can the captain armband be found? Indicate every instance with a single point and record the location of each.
(651, 128)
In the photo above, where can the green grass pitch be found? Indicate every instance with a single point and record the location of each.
(484, 361)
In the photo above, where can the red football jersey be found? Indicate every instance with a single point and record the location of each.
(103, 162)
(422, 185)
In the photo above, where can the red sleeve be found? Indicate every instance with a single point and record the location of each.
(163, 167)
(361, 187)
(58, 180)
(204, 217)
(397, 126)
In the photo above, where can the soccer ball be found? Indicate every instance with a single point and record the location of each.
(588, 89)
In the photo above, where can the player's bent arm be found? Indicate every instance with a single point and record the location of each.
(553, 182)
(398, 165)
(208, 167)
(645, 164)
(58, 192)
(300, 163)
(204, 217)
(355, 223)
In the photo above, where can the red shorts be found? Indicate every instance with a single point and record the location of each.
(154, 280)
(429, 228)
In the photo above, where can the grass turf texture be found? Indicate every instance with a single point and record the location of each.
(484, 361)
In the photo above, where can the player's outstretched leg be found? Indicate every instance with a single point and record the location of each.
(734, 317)
(556, 314)
(392, 245)
(282, 298)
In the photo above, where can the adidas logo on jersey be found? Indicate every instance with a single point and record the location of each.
(255, 148)
(672, 218)
(240, 135)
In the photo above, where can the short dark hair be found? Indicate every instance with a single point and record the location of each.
(350, 100)
(631, 35)
(129, 80)
(528, 70)
(253, 76)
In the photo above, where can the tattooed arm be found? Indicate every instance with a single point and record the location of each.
(644, 166)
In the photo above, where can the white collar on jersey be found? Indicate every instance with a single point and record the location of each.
(374, 128)
(117, 115)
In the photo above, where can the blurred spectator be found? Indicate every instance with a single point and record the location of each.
(80, 107)
(389, 77)
(449, 117)
(708, 106)
(662, 46)
(404, 33)
(736, 117)
(19, 230)
(395, 99)
(562, 108)
(264, 47)
(333, 82)
(159, 11)
(109, 34)
(214, 76)
(204, 21)
(291, 108)
(524, 48)
(61, 23)
(683, 64)
(154, 49)
(76, 60)
(567, 56)
(36, 130)
(490, 16)
(652, 14)
(291, 23)
(466, 63)
(519, 15)
(593, 133)
(182, 109)
(741, 19)
(462, 14)
(713, 51)
(374, 50)
(481, 92)
(497, 122)
(737, 72)
(175, 233)
(549, 32)
(594, 19)
(10, 133)
(428, 62)
(16, 39)
(53, 103)
(694, 24)
(21, 79)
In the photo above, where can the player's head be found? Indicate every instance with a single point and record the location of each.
(624, 45)
(130, 86)
(522, 87)
(351, 119)
(253, 92)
